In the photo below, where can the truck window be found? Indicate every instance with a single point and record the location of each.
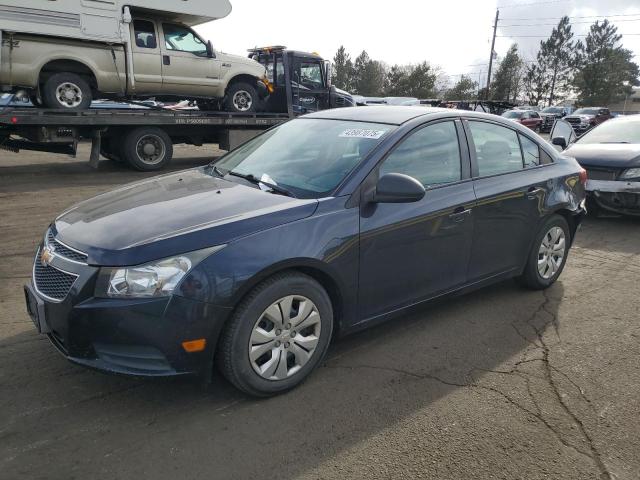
(145, 34)
(179, 38)
(311, 75)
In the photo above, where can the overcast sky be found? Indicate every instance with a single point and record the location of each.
(453, 34)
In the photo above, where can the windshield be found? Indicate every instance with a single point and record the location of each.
(586, 111)
(512, 114)
(552, 110)
(624, 131)
(308, 157)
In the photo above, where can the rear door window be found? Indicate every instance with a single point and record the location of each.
(145, 34)
(497, 148)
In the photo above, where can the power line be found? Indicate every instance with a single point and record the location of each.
(547, 36)
(555, 24)
(514, 5)
(587, 16)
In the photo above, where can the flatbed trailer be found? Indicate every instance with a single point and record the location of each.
(142, 137)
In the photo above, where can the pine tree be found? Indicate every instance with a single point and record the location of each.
(464, 89)
(507, 82)
(605, 71)
(555, 58)
(342, 70)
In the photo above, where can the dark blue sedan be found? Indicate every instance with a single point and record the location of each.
(321, 226)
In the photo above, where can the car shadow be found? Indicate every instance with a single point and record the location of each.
(58, 419)
(610, 234)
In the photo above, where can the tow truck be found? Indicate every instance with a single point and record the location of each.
(144, 137)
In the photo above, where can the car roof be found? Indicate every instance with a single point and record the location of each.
(393, 115)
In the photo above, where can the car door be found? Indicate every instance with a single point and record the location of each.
(510, 191)
(310, 92)
(413, 251)
(147, 65)
(187, 68)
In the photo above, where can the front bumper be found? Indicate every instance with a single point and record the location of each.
(616, 196)
(129, 336)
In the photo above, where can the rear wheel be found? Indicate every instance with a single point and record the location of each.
(548, 254)
(66, 91)
(278, 334)
(148, 148)
(241, 97)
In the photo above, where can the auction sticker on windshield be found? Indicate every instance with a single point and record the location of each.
(362, 133)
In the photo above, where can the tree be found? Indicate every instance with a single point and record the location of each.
(464, 89)
(605, 71)
(555, 60)
(422, 80)
(398, 81)
(369, 76)
(507, 82)
(535, 83)
(343, 70)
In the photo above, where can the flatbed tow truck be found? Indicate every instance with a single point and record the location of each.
(144, 137)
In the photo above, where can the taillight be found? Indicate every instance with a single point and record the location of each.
(583, 176)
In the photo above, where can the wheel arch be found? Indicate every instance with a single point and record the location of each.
(570, 217)
(242, 77)
(71, 65)
(313, 268)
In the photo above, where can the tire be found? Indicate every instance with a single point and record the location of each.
(147, 149)
(539, 278)
(241, 97)
(71, 87)
(240, 336)
(110, 152)
(35, 99)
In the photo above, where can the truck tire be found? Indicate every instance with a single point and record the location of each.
(66, 91)
(147, 148)
(241, 97)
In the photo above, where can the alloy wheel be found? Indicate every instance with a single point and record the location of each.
(242, 100)
(285, 337)
(551, 252)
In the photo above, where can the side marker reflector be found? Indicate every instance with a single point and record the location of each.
(194, 345)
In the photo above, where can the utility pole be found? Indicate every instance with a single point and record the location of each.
(493, 43)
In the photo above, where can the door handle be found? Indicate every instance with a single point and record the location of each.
(533, 192)
(459, 214)
(166, 60)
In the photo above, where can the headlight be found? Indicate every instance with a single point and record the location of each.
(630, 173)
(155, 279)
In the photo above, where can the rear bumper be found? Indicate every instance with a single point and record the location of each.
(616, 196)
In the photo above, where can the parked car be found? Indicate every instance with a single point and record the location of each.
(74, 52)
(324, 224)
(528, 118)
(611, 155)
(585, 119)
(551, 114)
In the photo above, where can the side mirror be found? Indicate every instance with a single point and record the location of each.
(560, 141)
(398, 188)
(210, 52)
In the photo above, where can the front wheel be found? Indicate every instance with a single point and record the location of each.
(548, 254)
(241, 97)
(278, 334)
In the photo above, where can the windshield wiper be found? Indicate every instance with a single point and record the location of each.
(253, 179)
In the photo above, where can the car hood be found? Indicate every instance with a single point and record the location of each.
(240, 60)
(172, 214)
(606, 155)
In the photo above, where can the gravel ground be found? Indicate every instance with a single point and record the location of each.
(502, 383)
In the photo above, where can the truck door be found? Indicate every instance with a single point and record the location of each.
(309, 87)
(147, 65)
(186, 67)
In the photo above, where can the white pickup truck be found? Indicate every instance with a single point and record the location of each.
(74, 51)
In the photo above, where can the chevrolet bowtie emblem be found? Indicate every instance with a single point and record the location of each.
(47, 255)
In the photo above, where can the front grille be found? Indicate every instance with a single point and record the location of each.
(573, 121)
(593, 174)
(50, 281)
(64, 251)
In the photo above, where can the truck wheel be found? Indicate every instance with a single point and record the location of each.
(147, 149)
(241, 97)
(66, 91)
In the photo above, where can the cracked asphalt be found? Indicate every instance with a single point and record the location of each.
(503, 383)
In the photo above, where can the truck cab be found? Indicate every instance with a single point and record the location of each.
(304, 77)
